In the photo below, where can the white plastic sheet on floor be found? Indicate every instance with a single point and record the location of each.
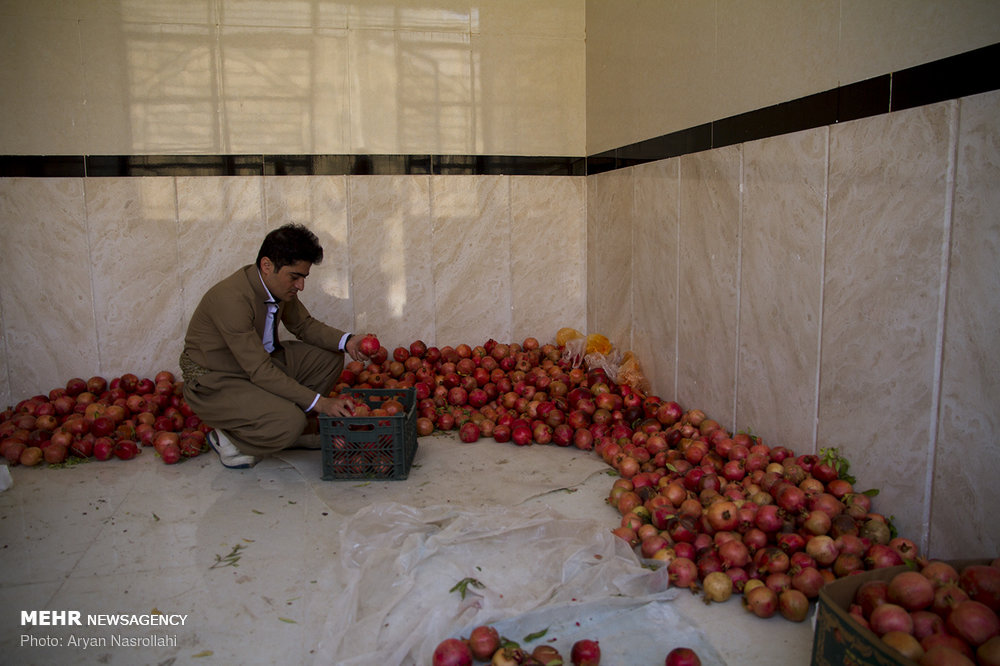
(538, 571)
(446, 471)
(486, 511)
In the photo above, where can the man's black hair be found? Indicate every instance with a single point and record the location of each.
(289, 244)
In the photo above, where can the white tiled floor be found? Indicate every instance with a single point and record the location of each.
(140, 537)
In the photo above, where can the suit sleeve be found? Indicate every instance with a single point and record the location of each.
(303, 326)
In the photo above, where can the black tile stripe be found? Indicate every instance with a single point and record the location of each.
(42, 166)
(961, 75)
(957, 76)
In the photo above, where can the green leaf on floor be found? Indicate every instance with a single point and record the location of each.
(230, 560)
(462, 586)
(535, 636)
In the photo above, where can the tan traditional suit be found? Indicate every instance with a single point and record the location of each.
(234, 384)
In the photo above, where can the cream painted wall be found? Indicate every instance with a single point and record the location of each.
(667, 66)
(123, 77)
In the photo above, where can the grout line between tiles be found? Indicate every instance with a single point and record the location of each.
(945, 266)
(739, 286)
(822, 295)
(90, 275)
(677, 284)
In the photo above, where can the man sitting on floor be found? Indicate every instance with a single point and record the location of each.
(254, 390)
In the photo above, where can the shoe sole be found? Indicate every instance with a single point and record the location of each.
(212, 442)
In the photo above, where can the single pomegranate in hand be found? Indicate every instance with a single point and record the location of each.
(585, 653)
(369, 345)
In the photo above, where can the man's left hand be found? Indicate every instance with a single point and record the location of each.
(352, 348)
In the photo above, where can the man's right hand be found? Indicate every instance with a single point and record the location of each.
(334, 406)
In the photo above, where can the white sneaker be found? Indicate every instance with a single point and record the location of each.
(229, 455)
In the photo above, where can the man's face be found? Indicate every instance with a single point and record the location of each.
(285, 283)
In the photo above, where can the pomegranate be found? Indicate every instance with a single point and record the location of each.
(718, 587)
(170, 454)
(911, 590)
(904, 643)
(734, 553)
(683, 572)
(947, 640)
(947, 597)
(452, 652)
(925, 623)
(973, 622)
(942, 655)
(469, 432)
(940, 573)
(988, 654)
(546, 655)
(484, 640)
(103, 448)
(682, 656)
(585, 653)
(890, 617)
(369, 345)
(808, 581)
(823, 549)
(55, 454)
(880, 556)
(793, 605)
(982, 582)
(762, 601)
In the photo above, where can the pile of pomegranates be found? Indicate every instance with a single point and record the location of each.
(936, 614)
(485, 645)
(97, 419)
(728, 514)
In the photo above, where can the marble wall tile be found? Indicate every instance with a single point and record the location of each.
(548, 255)
(967, 459)
(781, 279)
(885, 233)
(50, 333)
(708, 277)
(392, 250)
(220, 229)
(320, 203)
(654, 274)
(471, 259)
(6, 397)
(609, 256)
(286, 90)
(138, 302)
